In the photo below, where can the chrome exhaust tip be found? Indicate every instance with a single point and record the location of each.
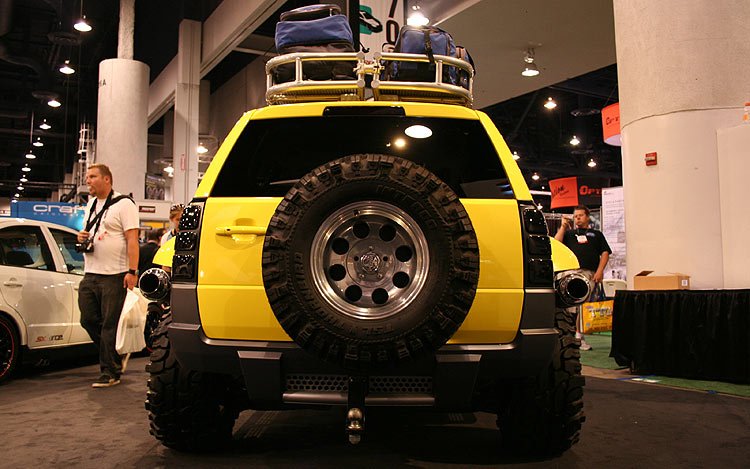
(155, 284)
(572, 287)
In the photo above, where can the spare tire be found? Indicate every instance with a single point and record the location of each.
(370, 260)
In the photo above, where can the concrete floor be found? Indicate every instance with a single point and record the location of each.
(53, 417)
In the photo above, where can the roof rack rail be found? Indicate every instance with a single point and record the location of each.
(286, 81)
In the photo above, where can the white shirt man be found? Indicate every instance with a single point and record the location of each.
(111, 263)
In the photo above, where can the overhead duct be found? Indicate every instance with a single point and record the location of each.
(43, 89)
(13, 114)
(6, 15)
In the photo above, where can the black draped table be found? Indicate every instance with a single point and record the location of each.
(698, 334)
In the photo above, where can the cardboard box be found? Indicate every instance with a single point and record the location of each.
(672, 281)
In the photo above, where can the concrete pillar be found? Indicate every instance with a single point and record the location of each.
(186, 112)
(683, 69)
(122, 133)
(126, 29)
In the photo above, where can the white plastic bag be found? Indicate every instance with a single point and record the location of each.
(130, 337)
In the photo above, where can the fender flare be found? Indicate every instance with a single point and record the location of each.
(165, 253)
(562, 257)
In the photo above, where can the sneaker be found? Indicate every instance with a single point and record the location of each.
(585, 346)
(105, 381)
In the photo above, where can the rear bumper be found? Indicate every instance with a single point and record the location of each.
(278, 373)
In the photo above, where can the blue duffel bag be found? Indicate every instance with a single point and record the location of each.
(429, 41)
(326, 34)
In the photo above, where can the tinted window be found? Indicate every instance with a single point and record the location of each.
(24, 246)
(66, 242)
(271, 155)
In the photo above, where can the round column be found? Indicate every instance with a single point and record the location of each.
(683, 69)
(121, 125)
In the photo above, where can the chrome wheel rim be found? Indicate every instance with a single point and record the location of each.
(369, 260)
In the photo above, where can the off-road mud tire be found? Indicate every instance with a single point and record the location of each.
(188, 410)
(424, 324)
(153, 318)
(544, 415)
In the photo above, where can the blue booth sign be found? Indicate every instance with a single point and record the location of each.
(61, 213)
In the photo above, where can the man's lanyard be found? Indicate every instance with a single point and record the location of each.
(98, 219)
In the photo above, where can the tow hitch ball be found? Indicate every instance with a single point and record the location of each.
(355, 417)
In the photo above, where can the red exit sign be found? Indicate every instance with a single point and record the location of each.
(650, 159)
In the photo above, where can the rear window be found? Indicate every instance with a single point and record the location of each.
(271, 155)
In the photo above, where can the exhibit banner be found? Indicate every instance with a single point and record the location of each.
(575, 190)
(379, 23)
(564, 192)
(61, 213)
(613, 228)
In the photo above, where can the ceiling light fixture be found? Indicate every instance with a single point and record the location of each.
(38, 142)
(539, 206)
(574, 141)
(53, 103)
(169, 169)
(26, 168)
(23, 179)
(44, 125)
(592, 163)
(516, 156)
(67, 69)
(16, 195)
(550, 104)
(399, 143)
(535, 176)
(20, 187)
(417, 18)
(30, 155)
(201, 149)
(82, 25)
(529, 69)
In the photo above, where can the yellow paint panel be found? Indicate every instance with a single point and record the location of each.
(239, 256)
(238, 312)
(498, 229)
(233, 303)
(493, 319)
(243, 313)
(562, 257)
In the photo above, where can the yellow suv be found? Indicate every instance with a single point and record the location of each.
(360, 243)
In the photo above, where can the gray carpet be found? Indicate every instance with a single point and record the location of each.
(53, 417)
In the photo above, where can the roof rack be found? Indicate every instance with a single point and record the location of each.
(287, 83)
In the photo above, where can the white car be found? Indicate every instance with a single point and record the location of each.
(39, 276)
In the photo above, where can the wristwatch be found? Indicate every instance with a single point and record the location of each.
(132, 272)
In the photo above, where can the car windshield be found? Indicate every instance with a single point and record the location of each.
(271, 155)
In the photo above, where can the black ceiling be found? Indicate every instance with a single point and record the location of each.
(542, 136)
(36, 36)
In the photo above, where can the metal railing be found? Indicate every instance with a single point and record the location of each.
(375, 79)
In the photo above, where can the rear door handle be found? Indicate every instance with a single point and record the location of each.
(11, 283)
(241, 230)
(75, 287)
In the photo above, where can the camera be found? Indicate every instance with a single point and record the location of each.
(86, 246)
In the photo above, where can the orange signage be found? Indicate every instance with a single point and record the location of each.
(611, 124)
(564, 192)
